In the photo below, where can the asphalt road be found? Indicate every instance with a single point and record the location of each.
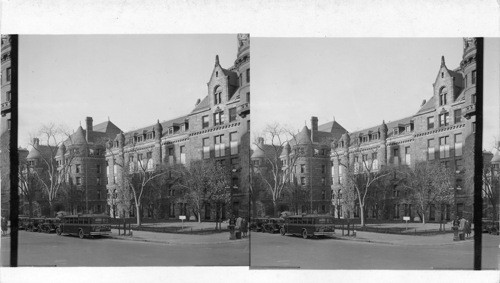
(276, 251)
(39, 249)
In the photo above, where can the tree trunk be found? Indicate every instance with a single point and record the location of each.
(362, 215)
(199, 217)
(138, 214)
(30, 208)
(423, 218)
(51, 208)
(275, 209)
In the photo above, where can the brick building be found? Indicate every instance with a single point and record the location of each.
(6, 96)
(441, 130)
(216, 128)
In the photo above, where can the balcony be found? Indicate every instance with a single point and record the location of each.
(5, 107)
(244, 109)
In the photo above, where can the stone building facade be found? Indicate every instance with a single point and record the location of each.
(6, 96)
(216, 128)
(442, 130)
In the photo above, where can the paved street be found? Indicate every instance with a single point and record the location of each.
(274, 250)
(39, 249)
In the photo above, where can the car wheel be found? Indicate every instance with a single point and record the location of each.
(58, 231)
(304, 234)
(80, 234)
(282, 231)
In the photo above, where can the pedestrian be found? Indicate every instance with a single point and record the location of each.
(467, 228)
(244, 227)
(461, 228)
(238, 222)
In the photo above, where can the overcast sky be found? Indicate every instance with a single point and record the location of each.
(359, 81)
(132, 79)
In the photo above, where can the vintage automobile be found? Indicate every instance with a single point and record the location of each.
(34, 224)
(272, 225)
(49, 225)
(309, 225)
(256, 224)
(85, 225)
(23, 222)
(490, 226)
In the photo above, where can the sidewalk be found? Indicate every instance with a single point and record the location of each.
(176, 238)
(406, 240)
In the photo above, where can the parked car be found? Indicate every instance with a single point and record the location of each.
(272, 225)
(490, 226)
(34, 224)
(256, 224)
(49, 225)
(23, 222)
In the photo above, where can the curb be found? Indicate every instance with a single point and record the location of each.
(174, 243)
(402, 244)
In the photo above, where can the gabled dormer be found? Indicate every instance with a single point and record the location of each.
(222, 84)
(447, 86)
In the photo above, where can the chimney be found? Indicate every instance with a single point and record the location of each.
(89, 127)
(36, 142)
(260, 140)
(314, 127)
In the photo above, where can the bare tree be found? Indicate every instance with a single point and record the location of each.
(204, 181)
(491, 187)
(50, 174)
(428, 183)
(362, 176)
(29, 184)
(275, 174)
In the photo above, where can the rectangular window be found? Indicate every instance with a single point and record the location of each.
(98, 168)
(459, 164)
(458, 144)
(444, 147)
(232, 114)
(302, 168)
(219, 118)
(430, 123)
(430, 149)
(78, 181)
(248, 75)
(457, 115)
(204, 122)
(323, 181)
(473, 127)
(220, 149)
(473, 98)
(323, 169)
(206, 148)
(444, 119)
(407, 156)
(98, 180)
(442, 99)
(303, 181)
(248, 97)
(473, 77)
(323, 194)
(77, 168)
(374, 161)
(233, 139)
(396, 156)
(171, 155)
(8, 96)
(183, 154)
(8, 76)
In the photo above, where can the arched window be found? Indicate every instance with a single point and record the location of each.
(442, 96)
(217, 95)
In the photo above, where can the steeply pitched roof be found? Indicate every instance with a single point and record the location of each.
(204, 104)
(165, 125)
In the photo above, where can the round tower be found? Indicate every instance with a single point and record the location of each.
(468, 66)
(382, 150)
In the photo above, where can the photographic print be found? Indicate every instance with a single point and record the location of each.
(363, 154)
(133, 150)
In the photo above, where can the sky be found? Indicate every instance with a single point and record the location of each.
(132, 79)
(357, 81)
